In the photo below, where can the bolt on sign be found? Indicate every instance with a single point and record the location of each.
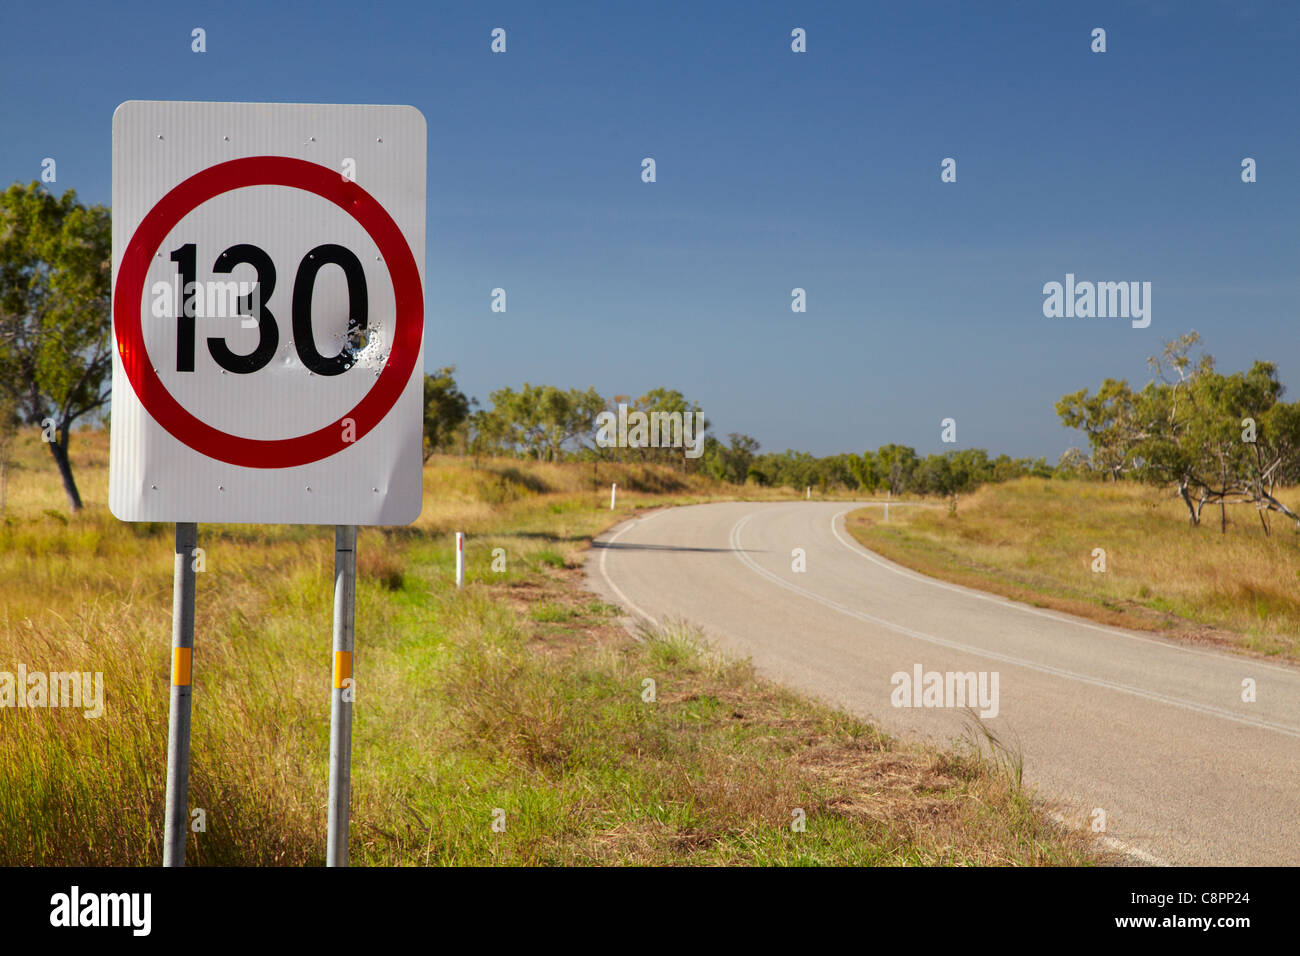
(268, 313)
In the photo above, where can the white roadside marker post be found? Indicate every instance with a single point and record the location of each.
(613, 495)
(460, 559)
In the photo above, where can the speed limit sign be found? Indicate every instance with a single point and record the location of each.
(268, 313)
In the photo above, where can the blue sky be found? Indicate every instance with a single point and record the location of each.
(775, 170)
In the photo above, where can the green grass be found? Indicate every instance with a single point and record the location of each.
(550, 557)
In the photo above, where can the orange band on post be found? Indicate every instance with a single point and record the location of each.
(180, 667)
(342, 667)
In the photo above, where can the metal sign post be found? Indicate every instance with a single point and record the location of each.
(176, 826)
(343, 695)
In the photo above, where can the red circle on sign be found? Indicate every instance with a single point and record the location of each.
(296, 174)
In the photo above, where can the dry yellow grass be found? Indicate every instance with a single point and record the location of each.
(1034, 540)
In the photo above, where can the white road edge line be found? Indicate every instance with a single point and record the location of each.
(604, 571)
(1004, 658)
(1119, 846)
(862, 552)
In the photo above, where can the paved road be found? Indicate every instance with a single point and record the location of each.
(1152, 732)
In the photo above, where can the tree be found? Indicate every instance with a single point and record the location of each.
(445, 408)
(933, 476)
(55, 325)
(1219, 439)
(729, 462)
(1274, 458)
(896, 463)
(517, 420)
(669, 401)
(970, 468)
(569, 417)
(489, 433)
(540, 420)
(836, 470)
(1072, 464)
(1165, 412)
(1109, 419)
(791, 469)
(1238, 439)
(864, 469)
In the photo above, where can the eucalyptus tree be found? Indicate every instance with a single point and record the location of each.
(55, 323)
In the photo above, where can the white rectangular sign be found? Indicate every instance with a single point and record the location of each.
(268, 313)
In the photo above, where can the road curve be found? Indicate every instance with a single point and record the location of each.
(1152, 732)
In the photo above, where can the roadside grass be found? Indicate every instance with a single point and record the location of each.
(1033, 540)
(519, 701)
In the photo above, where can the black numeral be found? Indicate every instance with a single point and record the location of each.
(358, 307)
(304, 284)
(186, 258)
(268, 331)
